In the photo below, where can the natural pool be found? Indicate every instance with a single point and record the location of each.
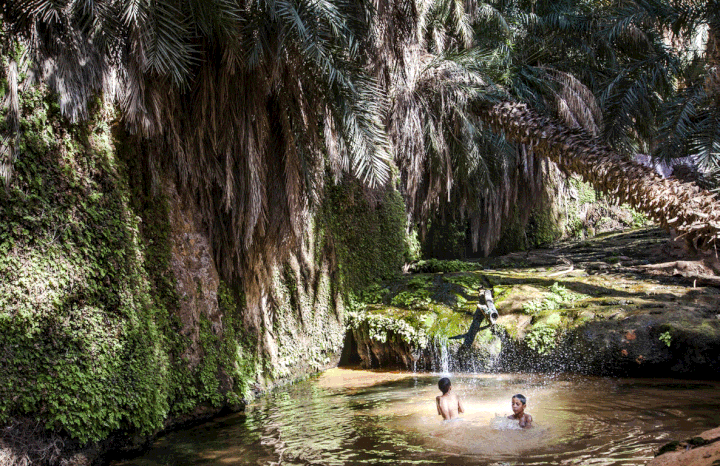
(348, 417)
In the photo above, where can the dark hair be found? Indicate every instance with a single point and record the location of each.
(444, 385)
(522, 398)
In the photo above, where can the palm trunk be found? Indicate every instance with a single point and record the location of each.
(682, 208)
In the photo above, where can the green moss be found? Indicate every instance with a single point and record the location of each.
(90, 342)
(229, 354)
(83, 341)
(415, 328)
(521, 232)
(369, 238)
(670, 446)
(542, 338)
(308, 325)
(383, 328)
(543, 228)
(470, 282)
(558, 297)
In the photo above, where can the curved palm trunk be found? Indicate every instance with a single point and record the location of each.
(691, 212)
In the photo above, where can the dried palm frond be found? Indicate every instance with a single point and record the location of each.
(240, 101)
(9, 143)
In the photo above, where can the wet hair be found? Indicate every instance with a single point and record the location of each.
(522, 398)
(444, 385)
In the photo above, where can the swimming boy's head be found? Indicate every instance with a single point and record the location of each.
(518, 403)
(444, 385)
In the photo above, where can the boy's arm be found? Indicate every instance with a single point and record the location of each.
(437, 404)
(461, 408)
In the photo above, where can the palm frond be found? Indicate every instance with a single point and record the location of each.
(679, 124)
(704, 145)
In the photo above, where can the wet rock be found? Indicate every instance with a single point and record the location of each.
(703, 450)
(625, 323)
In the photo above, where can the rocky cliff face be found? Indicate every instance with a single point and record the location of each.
(114, 321)
(191, 263)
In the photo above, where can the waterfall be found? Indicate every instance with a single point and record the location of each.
(444, 360)
(441, 345)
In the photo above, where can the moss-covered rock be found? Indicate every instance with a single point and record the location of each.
(553, 317)
(114, 321)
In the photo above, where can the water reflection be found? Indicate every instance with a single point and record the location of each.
(349, 417)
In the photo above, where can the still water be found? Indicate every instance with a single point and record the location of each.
(354, 417)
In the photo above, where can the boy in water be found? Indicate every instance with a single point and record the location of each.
(449, 405)
(518, 406)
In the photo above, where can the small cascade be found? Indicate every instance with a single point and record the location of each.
(415, 356)
(442, 359)
(494, 349)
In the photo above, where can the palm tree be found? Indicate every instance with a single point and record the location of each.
(691, 119)
(242, 102)
(452, 167)
(247, 98)
(630, 68)
(693, 213)
(623, 57)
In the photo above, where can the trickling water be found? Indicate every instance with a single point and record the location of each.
(444, 357)
(353, 417)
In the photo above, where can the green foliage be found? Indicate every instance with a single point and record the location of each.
(521, 231)
(84, 350)
(557, 298)
(414, 247)
(418, 283)
(543, 228)
(418, 299)
(470, 282)
(585, 192)
(586, 199)
(381, 328)
(666, 338)
(445, 239)
(369, 239)
(638, 218)
(373, 294)
(417, 295)
(443, 266)
(89, 343)
(541, 338)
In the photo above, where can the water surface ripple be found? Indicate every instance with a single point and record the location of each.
(353, 417)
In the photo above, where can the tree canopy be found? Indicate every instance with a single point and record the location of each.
(250, 104)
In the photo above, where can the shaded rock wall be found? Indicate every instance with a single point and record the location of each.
(196, 277)
(114, 321)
